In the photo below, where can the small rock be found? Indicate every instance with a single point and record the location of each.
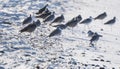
(102, 68)
(108, 61)
(92, 64)
(97, 65)
(27, 55)
(113, 68)
(61, 57)
(37, 67)
(102, 60)
(95, 60)
(85, 65)
(101, 29)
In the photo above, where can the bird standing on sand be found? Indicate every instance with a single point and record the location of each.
(90, 33)
(50, 17)
(27, 20)
(58, 19)
(95, 38)
(110, 22)
(55, 32)
(38, 23)
(87, 21)
(44, 15)
(72, 23)
(101, 16)
(31, 27)
(42, 9)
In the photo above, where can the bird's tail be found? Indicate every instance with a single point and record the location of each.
(22, 30)
(50, 24)
(94, 18)
(44, 21)
(100, 36)
(81, 22)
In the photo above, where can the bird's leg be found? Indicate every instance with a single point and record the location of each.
(72, 31)
(111, 28)
(37, 32)
(91, 44)
(45, 41)
(95, 43)
(61, 43)
(56, 41)
(88, 27)
(84, 27)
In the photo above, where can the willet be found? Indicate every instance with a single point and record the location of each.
(42, 9)
(27, 20)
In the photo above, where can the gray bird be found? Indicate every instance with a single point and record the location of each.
(95, 38)
(74, 21)
(43, 15)
(42, 9)
(79, 18)
(27, 20)
(55, 32)
(101, 16)
(62, 26)
(59, 19)
(38, 23)
(110, 22)
(87, 21)
(30, 28)
(50, 17)
(46, 11)
(90, 33)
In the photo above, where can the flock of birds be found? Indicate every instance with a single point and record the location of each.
(49, 16)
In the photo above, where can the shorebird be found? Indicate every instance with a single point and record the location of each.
(79, 18)
(27, 20)
(72, 23)
(55, 32)
(30, 28)
(58, 19)
(90, 33)
(110, 22)
(87, 21)
(95, 38)
(44, 15)
(50, 17)
(46, 11)
(38, 23)
(101, 16)
(42, 9)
